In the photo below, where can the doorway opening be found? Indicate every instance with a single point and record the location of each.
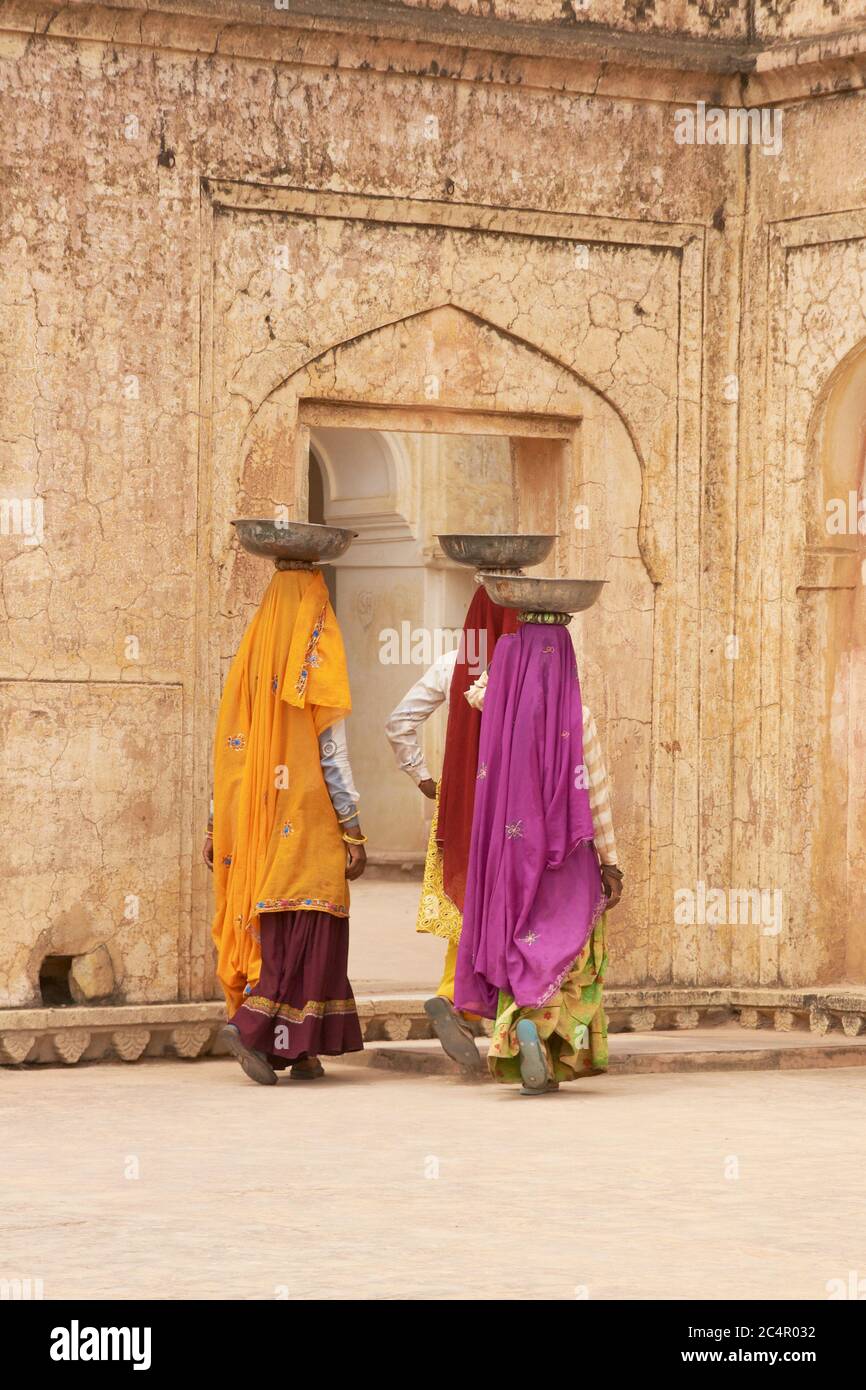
(401, 604)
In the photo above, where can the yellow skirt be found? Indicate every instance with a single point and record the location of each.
(437, 914)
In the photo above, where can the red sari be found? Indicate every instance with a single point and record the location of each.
(485, 623)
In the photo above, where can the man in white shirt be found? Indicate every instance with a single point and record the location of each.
(416, 706)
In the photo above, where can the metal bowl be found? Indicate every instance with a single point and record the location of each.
(497, 552)
(536, 595)
(300, 541)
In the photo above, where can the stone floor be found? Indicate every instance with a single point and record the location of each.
(727, 1048)
(385, 951)
(182, 1180)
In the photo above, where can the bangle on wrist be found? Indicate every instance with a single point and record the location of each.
(351, 840)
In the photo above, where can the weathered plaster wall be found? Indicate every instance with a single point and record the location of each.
(90, 775)
(543, 220)
(796, 708)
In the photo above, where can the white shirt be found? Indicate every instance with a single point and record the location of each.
(404, 723)
(433, 689)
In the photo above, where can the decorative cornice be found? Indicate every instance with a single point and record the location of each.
(571, 55)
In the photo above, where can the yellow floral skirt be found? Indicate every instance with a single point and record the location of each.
(572, 1025)
(437, 914)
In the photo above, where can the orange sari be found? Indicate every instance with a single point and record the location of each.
(277, 843)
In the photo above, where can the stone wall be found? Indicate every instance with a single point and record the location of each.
(219, 219)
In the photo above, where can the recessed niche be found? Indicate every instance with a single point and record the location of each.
(54, 981)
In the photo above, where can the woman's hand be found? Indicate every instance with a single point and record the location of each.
(207, 850)
(356, 861)
(428, 787)
(611, 878)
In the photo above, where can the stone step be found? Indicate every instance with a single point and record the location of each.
(699, 1049)
(768, 1021)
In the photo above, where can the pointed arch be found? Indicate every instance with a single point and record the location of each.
(281, 379)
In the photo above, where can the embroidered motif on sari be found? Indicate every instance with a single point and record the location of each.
(292, 904)
(311, 655)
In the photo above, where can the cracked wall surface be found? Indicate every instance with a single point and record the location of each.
(480, 369)
(94, 858)
(196, 235)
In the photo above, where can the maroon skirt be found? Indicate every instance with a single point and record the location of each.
(303, 1004)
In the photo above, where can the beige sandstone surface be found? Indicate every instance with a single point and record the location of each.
(227, 230)
(371, 1187)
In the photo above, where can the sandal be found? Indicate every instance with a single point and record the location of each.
(255, 1064)
(533, 1066)
(303, 1071)
(453, 1034)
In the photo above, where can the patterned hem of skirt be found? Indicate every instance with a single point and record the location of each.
(287, 1033)
(572, 1025)
(565, 1063)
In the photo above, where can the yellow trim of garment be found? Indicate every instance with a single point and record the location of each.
(437, 914)
(314, 1008)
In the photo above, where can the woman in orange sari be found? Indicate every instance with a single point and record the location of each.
(285, 837)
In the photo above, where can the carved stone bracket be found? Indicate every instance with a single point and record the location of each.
(129, 1043)
(819, 1020)
(192, 1039)
(16, 1047)
(71, 1043)
(397, 1029)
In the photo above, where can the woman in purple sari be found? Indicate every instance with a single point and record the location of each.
(532, 952)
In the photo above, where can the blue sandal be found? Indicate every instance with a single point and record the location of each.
(533, 1067)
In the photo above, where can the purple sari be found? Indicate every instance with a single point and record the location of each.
(533, 890)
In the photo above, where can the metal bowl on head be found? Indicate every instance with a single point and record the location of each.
(496, 552)
(294, 542)
(532, 594)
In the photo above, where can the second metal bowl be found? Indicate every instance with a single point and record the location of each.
(496, 552)
(533, 594)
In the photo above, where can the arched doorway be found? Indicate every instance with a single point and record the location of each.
(830, 696)
(573, 468)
